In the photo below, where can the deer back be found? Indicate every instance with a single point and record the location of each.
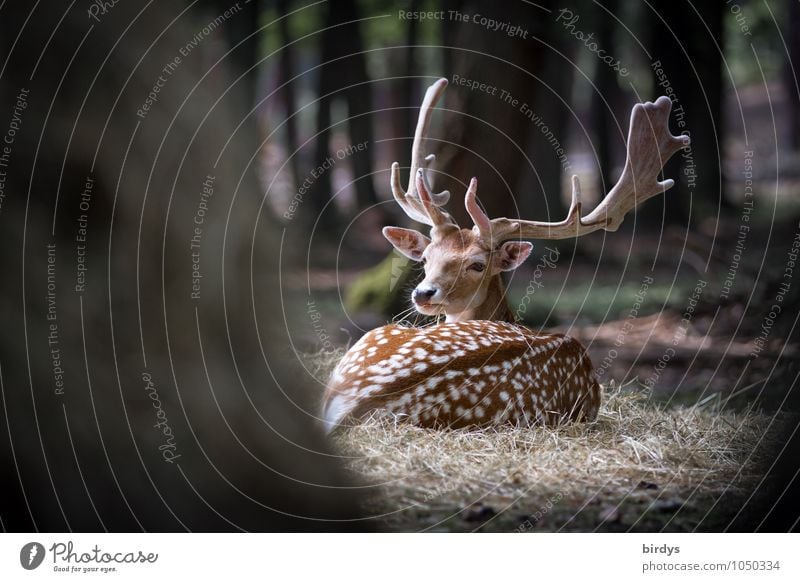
(470, 373)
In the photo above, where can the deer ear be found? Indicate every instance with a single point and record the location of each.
(409, 242)
(511, 255)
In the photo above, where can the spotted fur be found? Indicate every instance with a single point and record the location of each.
(468, 373)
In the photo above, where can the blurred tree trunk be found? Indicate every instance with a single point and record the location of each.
(606, 109)
(359, 101)
(404, 99)
(320, 208)
(697, 82)
(344, 76)
(540, 197)
(409, 83)
(287, 95)
(790, 76)
(82, 448)
(241, 30)
(491, 136)
(448, 33)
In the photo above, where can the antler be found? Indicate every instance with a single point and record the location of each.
(413, 202)
(650, 145)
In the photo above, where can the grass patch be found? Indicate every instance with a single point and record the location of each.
(551, 304)
(638, 467)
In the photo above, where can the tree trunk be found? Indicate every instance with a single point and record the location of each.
(409, 83)
(150, 400)
(489, 136)
(791, 75)
(287, 95)
(606, 108)
(540, 197)
(696, 80)
(344, 76)
(321, 212)
(359, 102)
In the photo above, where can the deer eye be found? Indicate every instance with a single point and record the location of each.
(479, 267)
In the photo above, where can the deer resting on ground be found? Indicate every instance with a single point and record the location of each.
(480, 367)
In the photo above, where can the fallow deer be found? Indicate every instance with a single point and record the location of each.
(480, 367)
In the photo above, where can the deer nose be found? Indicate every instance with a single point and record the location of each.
(423, 294)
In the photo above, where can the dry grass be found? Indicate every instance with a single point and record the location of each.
(638, 467)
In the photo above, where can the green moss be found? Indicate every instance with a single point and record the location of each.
(381, 289)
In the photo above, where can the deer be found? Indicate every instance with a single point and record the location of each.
(479, 367)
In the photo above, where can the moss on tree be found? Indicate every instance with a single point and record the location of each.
(383, 288)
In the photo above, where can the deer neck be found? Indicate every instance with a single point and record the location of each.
(494, 307)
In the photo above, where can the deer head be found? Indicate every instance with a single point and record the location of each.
(463, 266)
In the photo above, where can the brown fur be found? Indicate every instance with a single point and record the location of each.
(462, 374)
(466, 294)
(479, 367)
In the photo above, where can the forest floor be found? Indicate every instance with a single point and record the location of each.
(638, 467)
